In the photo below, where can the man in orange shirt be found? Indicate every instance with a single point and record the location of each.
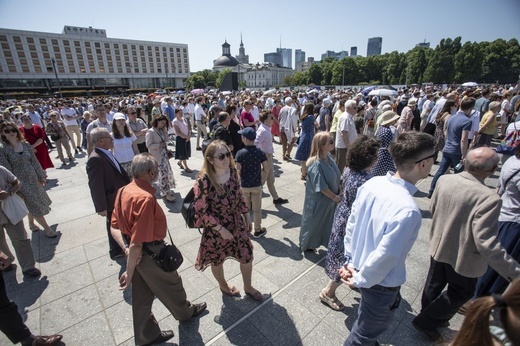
(137, 221)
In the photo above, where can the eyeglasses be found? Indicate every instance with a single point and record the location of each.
(426, 158)
(133, 113)
(222, 156)
(10, 131)
(52, 116)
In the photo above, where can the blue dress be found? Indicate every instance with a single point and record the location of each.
(384, 161)
(351, 181)
(318, 209)
(304, 146)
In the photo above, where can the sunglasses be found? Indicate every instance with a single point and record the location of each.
(426, 158)
(221, 157)
(133, 112)
(10, 131)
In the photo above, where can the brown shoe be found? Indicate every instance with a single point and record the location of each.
(50, 340)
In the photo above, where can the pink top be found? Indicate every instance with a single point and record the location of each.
(183, 127)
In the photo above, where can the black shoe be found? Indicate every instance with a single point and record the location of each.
(260, 233)
(198, 309)
(429, 195)
(163, 337)
(80, 150)
(198, 148)
(43, 340)
(433, 335)
(34, 272)
(280, 201)
(76, 151)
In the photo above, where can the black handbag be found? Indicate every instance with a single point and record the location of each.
(169, 258)
(188, 209)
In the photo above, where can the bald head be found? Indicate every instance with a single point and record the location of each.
(482, 161)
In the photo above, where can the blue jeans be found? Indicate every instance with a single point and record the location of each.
(375, 314)
(447, 161)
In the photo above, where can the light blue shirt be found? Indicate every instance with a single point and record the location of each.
(381, 230)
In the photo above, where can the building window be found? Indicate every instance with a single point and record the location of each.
(89, 51)
(70, 62)
(32, 47)
(87, 44)
(119, 70)
(72, 69)
(141, 47)
(82, 70)
(19, 46)
(30, 40)
(77, 44)
(36, 62)
(92, 70)
(66, 43)
(98, 51)
(97, 45)
(45, 48)
(100, 57)
(107, 52)
(110, 70)
(69, 56)
(116, 46)
(37, 69)
(89, 57)
(46, 56)
(78, 50)
(61, 69)
(17, 39)
(43, 41)
(107, 46)
(21, 54)
(9, 61)
(125, 46)
(133, 47)
(23, 62)
(101, 70)
(12, 68)
(3, 38)
(5, 46)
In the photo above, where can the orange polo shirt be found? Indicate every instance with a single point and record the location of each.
(141, 218)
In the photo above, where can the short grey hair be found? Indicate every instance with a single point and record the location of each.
(97, 133)
(350, 104)
(142, 164)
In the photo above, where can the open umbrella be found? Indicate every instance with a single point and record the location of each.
(470, 84)
(383, 92)
(180, 92)
(227, 92)
(367, 90)
(197, 91)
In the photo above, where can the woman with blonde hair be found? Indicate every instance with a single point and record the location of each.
(322, 194)
(220, 209)
(476, 331)
(488, 125)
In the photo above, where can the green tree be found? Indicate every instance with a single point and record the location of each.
(417, 63)
(327, 66)
(467, 63)
(395, 65)
(441, 67)
(315, 74)
(195, 81)
(221, 75)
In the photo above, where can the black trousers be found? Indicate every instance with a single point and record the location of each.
(11, 323)
(114, 248)
(439, 306)
(142, 147)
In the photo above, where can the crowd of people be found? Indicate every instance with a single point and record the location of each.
(361, 157)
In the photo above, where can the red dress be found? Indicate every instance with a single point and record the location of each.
(42, 152)
(275, 129)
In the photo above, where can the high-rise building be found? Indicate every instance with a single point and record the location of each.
(353, 51)
(299, 58)
(375, 45)
(282, 57)
(286, 56)
(242, 57)
(423, 44)
(333, 54)
(85, 58)
(274, 58)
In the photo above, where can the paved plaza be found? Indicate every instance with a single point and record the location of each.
(77, 294)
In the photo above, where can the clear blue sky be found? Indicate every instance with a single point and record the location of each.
(313, 26)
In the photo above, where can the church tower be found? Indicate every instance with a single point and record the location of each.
(242, 57)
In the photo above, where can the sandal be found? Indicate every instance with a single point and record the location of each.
(332, 303)
(51, 234)
(256, 296)
(233, 292)
(304, 177)
(187, 170)
(180, 164)
(34, 228)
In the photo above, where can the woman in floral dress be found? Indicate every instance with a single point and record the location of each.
(21, 161)
(221, 210)
(440, 122)
(156, 142)
(361, 156)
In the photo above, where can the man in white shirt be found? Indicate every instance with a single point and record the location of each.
(287, 128)
(264, 142)
(70, 119)
(200, 120)
(346, 133)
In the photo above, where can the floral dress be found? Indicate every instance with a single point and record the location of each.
(28, 170)
(384, 160)
(438, 136)
(351, 181)
(226, 209)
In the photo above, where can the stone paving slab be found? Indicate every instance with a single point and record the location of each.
(78, 294)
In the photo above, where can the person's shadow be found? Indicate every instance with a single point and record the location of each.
(24, 293)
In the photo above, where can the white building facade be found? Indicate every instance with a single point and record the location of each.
(87, 58)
